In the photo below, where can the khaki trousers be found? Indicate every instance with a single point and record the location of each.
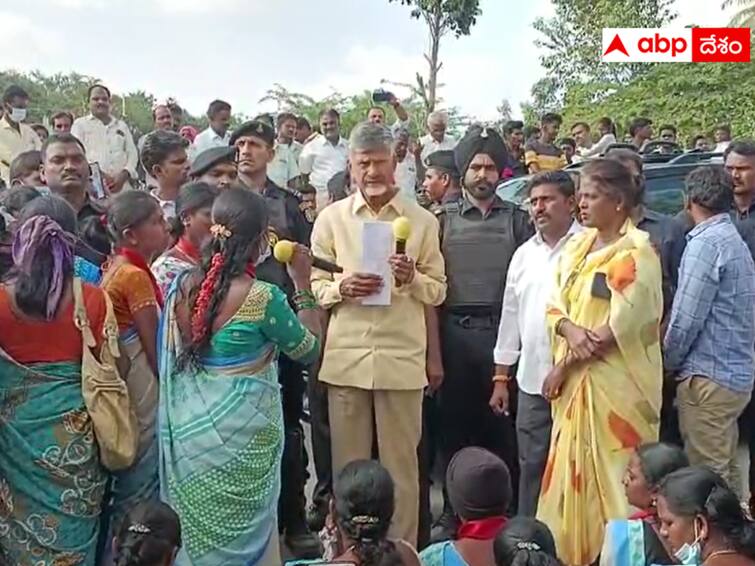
(708, 416)
(396, 418)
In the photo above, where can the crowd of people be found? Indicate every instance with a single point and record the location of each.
(574, 374)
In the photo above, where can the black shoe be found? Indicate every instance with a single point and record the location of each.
(444, 528)
(316, 515)
(304, 545)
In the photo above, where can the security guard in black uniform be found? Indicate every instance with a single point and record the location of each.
(255, 144)
(479, 235)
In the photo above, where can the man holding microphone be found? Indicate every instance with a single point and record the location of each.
(374, 362)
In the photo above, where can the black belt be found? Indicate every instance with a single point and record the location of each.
(474, 319)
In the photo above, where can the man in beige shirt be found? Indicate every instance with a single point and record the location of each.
(15, 136)
(108, 141)
(374, 359)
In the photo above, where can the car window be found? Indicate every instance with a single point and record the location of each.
(513, 190)
(665, 194)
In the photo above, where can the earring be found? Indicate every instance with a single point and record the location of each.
(618, 209)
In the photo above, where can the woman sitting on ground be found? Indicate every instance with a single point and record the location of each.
(479, 489)
(647, 467)
(702, 521)
(525, 541)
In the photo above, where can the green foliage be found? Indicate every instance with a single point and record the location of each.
(52, 93)
(693, 96)
(457, 16)
(745, 16)
(572, 41)
(353, 109)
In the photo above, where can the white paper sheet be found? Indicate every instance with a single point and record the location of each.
(377, 247)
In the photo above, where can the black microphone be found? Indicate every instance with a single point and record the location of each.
(284, 251)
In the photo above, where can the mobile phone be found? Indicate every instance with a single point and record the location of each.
(97, 187)
(600, 288)
(380, 95)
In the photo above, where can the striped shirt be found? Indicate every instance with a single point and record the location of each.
(546, 156)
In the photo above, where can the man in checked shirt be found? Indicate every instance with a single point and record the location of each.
(710, 339)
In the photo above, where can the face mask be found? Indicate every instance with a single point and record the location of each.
(18, 114)
(690, 553)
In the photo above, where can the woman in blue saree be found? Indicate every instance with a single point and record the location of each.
(51, 481)
(220, 415)
(636, 541)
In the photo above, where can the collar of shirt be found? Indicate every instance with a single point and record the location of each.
(323, 141)
(6, 125)
(217, 137)
(359, 203)
(167, 206)
(575, 228)
(712, 221)
(740, 215)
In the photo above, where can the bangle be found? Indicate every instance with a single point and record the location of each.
(560, 325)
(304, 299)
(501, 378)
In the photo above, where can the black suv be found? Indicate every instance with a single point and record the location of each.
(664, 182)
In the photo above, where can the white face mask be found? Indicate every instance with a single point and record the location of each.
(690, 554)
(18, 114)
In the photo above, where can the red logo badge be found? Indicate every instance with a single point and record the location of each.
(720, 45)
(616, 45)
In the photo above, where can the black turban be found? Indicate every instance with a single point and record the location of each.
(478, 484)
(479, 139)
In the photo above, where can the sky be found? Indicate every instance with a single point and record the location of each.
(199, 50)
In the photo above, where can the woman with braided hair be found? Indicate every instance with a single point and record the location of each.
(361, 511)
(221, 436)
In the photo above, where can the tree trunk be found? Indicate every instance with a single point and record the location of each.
(436, 31)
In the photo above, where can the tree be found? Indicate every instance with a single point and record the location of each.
(572, 40)
(745, 17)
(693, 96)
(441, 17)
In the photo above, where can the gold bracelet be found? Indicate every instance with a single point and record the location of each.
(501, 378)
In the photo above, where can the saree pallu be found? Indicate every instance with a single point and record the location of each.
(221, 441)
(633, 542)
(140, 481)
(607, 406)
(51, 481)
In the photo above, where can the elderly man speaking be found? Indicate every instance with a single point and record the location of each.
(374, 360)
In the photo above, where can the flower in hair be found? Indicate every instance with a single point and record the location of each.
(527, 546)
(220, 232)
(139, 528)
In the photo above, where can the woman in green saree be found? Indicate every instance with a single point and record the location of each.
(220, 415)
(51, 481)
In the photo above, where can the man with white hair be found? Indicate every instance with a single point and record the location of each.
(374, 363)
(436, 139)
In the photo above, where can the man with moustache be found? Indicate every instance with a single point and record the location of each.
(479, 235)
(523, 340)
(215, 166)
(255, 143)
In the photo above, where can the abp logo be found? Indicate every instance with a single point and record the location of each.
(670, 45)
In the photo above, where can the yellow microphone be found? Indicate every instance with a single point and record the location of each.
(284, 251)
(401, 230)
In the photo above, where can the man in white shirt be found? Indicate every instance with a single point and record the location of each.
(108, 141)
(523, 334)
(722, 135)
(405, 175)
(324, 156)
(218, 134)
(283, 170)
(376, 115)
(15, 136)
(162, 118)
(436, 139)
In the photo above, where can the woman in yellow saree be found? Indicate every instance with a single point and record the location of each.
(605, 387)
